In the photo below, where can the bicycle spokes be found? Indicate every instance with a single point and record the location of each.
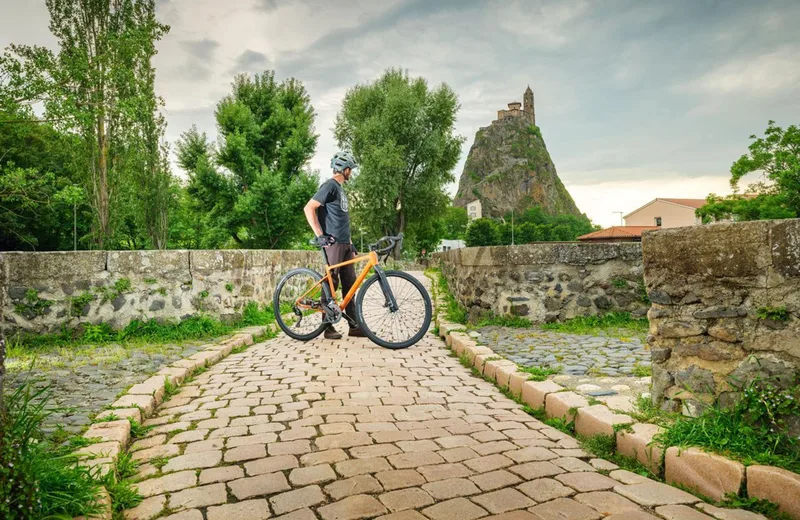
(405, 320)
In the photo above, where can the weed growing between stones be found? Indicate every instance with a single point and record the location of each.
(170, 389)
(754, 430)
(642, 370)
(773, 313)
(540, 373)
(764, 507)
(119, 485)
(40, 478)
(32, 305)
(137, 430)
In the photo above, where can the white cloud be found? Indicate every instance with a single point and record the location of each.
(542, 24)
(760, 75)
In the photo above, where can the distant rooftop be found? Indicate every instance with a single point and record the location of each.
(617, 232)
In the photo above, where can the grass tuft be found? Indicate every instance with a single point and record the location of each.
(540, 373)
(609, 323)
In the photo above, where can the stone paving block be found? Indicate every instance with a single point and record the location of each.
(530, 454)
(407, 498)
(204, 459)
(343, 440)
(192, 514)
(776, 485)
(572, 464)
(148, 442)
(297, 447)
(358, 485)
(488, 463)
(514, 515)
(598, 420)
(403, 515)
(352, 467)
(165, 450)
(632, 515)
(638, 444)
(444, 471)
(202, 496)
(147, 509)
(257, 509)
(561, 405)
(375, 450)
(111, 431)
(415, 459)
(296, 499)
(221, 474)
(503, 373)
(535, 392)
(534, 470)
(401, 478)
(503, 500)
(202, 446)
(312, 475)
(650, 494)
(145, 403)
(515, 382)
(545, 489)
(167, 483)
(189, 436)
(323, 457)
(352, 508)
(258, 485)
(247, 452)
(584, 482)
(451, 488)
(458, 454)
(102, 450)
(299, 514)
(729, 514)
(564, 509)
(454, 509)
(709, 474)
(681, 513)
(607, 503)
(495, 480)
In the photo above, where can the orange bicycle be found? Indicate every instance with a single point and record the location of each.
(392, 308)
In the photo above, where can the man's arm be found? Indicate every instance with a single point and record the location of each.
(311, 216)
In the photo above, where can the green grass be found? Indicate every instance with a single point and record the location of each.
(540, 373)
(609, 323)
(753, 431)
(150, 332)
(642, 371)
(502, 320)
(39, 477)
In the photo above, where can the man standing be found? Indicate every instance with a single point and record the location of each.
(328, 215)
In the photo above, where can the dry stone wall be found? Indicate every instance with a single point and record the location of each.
(45, 291)
(726, 309)
(548, 281)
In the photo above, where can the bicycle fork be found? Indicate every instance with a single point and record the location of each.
(390, 303)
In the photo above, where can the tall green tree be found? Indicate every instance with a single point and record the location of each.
(482, 232)
(777, 194)
(42, 203)
(455, 223)
(402, 134)
(256, 183)
(98, 86)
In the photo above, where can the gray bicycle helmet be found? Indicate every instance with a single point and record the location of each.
(342, 160)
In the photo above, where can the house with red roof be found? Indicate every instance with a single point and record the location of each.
(666, 213)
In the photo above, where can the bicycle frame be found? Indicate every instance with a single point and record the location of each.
(372, 262)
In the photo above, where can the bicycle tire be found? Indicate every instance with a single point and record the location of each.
(382, 341)
(276, 305)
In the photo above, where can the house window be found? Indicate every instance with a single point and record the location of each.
(658, 221)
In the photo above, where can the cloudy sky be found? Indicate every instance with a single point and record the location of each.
(635, 98)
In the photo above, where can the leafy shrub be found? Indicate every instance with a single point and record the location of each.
(482, 232)
(773, 313)
(77, 303)
(753, 430)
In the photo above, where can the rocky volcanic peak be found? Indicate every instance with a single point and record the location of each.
(509, 167)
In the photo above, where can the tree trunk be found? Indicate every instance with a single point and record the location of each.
(401, 228)
(101, 184)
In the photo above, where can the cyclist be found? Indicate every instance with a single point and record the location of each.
(328, 215)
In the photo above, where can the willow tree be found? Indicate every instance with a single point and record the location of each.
(98, 85)
(402, 133)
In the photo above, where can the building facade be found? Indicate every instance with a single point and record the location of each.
(666, 213)
(474, 210)
(517, 109)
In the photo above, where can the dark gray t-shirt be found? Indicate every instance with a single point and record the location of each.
(333, 214)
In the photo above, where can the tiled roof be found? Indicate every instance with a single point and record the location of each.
(617, 232)
(692, 203)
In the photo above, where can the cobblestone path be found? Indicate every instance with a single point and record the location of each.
(577, 354)
(341, 430)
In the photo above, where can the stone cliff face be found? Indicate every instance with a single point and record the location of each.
(509, 167)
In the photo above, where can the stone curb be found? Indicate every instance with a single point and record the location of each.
(693, 469)
(140, 401)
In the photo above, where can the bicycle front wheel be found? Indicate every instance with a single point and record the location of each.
(298, 304)
(394, 329)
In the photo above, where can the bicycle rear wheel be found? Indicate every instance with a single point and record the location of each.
(394, 329)
(300, 320)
